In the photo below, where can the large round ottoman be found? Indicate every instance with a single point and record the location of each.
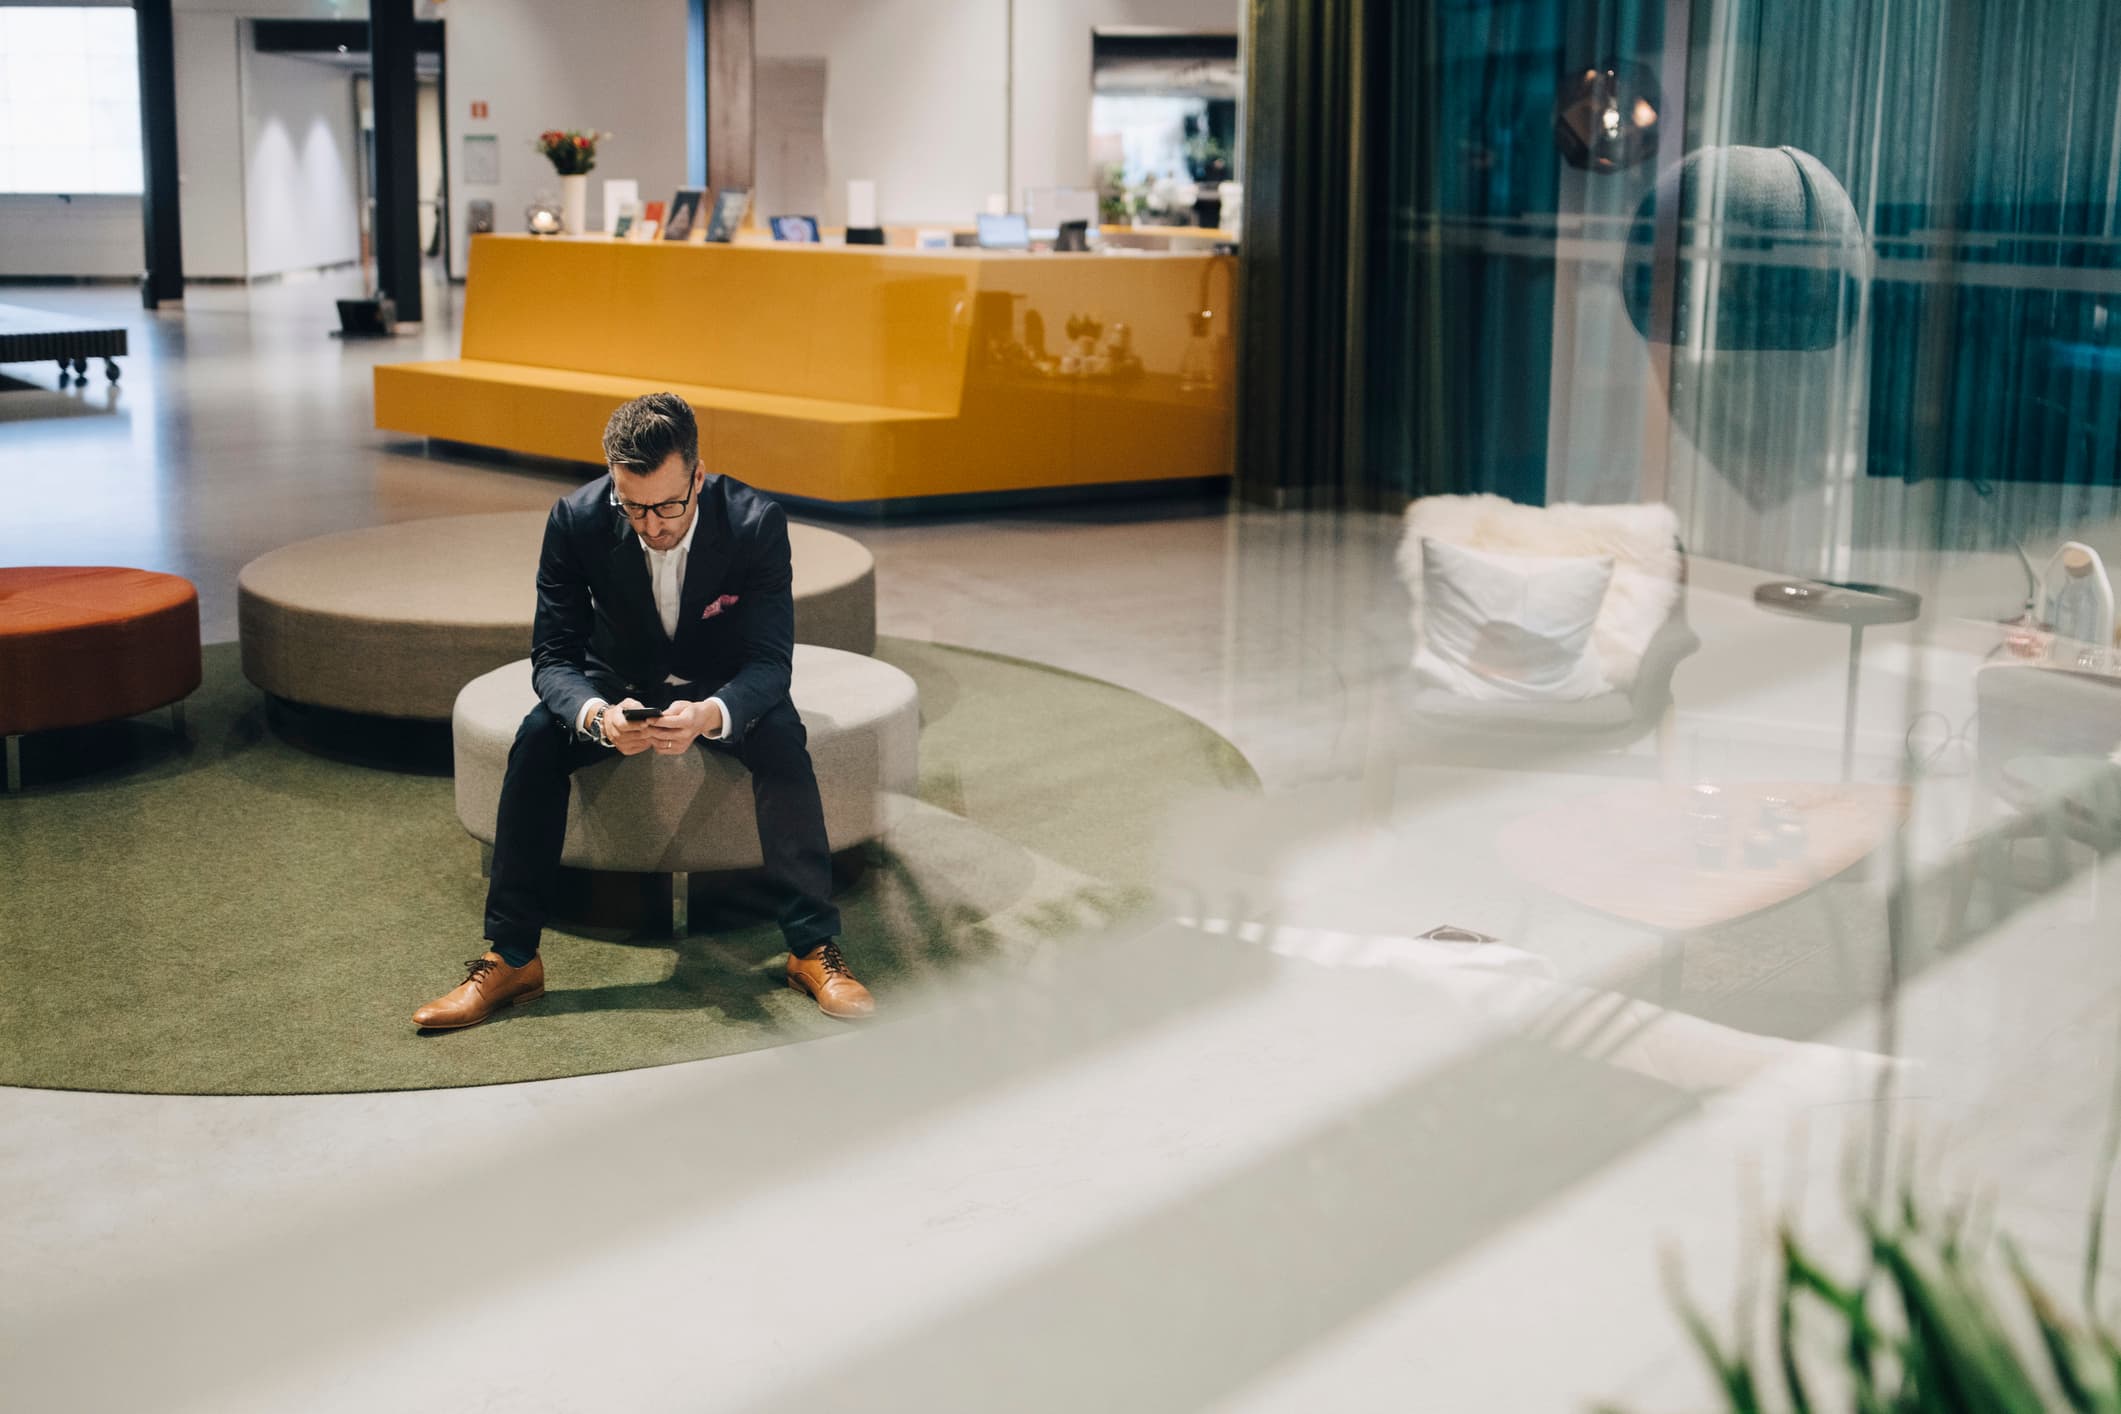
(92, 643)
(652, 814)
(393, 619)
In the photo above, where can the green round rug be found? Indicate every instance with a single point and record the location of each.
(258, 914)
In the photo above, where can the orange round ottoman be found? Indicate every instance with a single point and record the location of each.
(92, 643)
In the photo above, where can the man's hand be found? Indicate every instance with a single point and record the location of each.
(681, 724)
(631, 738)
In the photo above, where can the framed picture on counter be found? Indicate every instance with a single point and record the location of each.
(684, 213)
(629, 215)
(730, 204)
(800, 230)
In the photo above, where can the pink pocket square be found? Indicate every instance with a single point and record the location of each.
(727, 601)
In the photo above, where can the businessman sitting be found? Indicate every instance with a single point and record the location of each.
(659, 587)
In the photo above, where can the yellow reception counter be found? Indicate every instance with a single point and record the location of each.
(855, 375)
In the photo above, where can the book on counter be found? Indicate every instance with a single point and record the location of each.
(684, 213)
(730, 206)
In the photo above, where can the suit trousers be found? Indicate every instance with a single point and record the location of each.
(533, 826)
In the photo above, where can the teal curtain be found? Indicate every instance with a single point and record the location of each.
(1883, 233)
(1997, 245)
(1403, 187)
(1473, 184)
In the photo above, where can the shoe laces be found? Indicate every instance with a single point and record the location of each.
(834, 963)
(476, 968)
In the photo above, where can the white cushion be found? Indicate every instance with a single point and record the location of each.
(1510, 628)
(1643, 541)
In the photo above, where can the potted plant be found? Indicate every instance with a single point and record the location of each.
(573, 154)
(1115, 201)
(1928, 1321)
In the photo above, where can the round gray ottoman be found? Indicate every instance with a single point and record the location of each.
(652, 814)
(393, 619)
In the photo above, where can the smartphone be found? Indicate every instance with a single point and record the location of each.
(642, 714)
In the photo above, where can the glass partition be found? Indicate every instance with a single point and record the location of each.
(1845, 251)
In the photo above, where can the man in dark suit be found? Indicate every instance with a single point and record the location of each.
(663, 587)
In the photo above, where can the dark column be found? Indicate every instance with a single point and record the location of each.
(164, 238)
(731, 123)
(1315, 129)
(392, 43)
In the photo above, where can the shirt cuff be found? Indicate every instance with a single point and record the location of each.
(581, 718)
(723, 734)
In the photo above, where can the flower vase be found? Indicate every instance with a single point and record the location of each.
(574, 201)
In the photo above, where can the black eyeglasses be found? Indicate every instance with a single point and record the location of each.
(666, 510)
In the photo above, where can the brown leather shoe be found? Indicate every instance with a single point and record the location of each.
(823, 973)
(489, 984)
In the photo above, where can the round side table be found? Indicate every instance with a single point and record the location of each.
(1858, 607)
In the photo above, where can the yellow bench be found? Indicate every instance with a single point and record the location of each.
(849, 375)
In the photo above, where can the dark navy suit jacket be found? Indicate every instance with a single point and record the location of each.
(597, 633)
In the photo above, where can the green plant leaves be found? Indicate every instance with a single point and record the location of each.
(1924, 1330)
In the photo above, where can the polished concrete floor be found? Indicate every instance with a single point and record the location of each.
(1270, 1153)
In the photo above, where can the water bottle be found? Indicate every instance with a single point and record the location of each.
(2081, 599)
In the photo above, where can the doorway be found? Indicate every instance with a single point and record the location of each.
(345, 44)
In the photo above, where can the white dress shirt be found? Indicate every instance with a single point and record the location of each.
(666, 573)
(666, 576)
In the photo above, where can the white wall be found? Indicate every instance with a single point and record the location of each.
(209, 147)
(81, 235)
(615, 65)
(1052, 138)
(100, 236)
(300, 207)
(789, 172)
(917, 92)
(915, 97)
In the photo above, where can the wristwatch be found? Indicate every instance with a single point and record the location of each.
(596, 725)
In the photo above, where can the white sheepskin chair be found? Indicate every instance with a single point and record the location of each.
(1643, 541)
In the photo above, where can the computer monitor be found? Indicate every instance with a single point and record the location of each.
(1010, 232)
(1047, 209)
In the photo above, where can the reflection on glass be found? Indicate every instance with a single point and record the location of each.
(1842, 225)
(1607, 117)
(1163, 125)
(1842, 305)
